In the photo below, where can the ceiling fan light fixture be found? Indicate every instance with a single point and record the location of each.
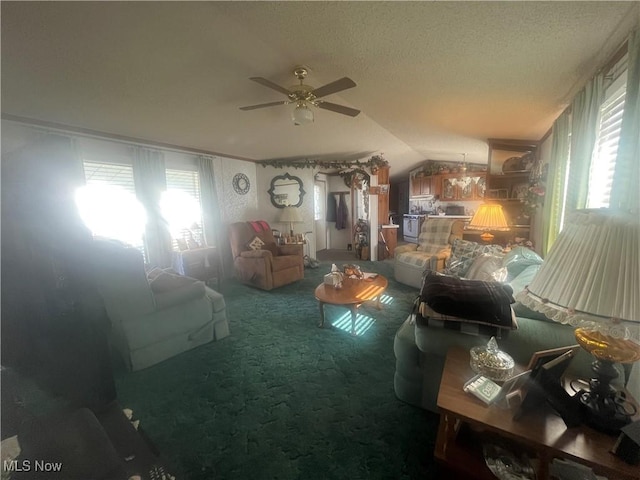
(302, 115)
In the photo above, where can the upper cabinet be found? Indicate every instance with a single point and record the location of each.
(449, 181)
(463, 187)
(422, 186)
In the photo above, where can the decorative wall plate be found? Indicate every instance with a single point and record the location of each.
(241, 183)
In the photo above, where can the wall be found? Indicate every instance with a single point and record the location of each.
(266, 211)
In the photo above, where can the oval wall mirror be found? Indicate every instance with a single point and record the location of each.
(286, 190)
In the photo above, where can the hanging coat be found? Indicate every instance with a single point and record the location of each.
(332, 207)
(342, 214)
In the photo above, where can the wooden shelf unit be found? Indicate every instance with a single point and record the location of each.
(506, 185)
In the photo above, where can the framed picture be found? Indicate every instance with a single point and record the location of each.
(543, 356)
(519, 191)
(545, 386)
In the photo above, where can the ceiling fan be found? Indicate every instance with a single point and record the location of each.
(304, 95)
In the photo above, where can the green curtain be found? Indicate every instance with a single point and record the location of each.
(150, 181)
(210, 206)
(625, 189)
(585, 110)
(553, 209)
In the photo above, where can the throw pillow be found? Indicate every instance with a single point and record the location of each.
(473, 300)
(166, 282)
(487, 267)
(154, 272)
(519, 259)
(463, 253)
(256, 243)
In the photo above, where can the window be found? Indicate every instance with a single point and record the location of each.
(108, 204)
(182, 209)
(605, 152)
(606, 149)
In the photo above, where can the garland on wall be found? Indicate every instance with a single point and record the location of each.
(372, 163)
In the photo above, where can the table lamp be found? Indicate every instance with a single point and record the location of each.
(290, 215)
(591, 281)
(489, 217)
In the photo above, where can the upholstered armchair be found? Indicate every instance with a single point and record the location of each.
(262, 263)
(431, 253)
(154, 317)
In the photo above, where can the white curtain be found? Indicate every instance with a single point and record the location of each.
(625, 191)
(553, 209)
(585, 110)
(150, 181)
(212, 226)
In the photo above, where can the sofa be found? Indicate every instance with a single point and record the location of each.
(431, 252)
(259, 261)
(420, 349)
(154, 314)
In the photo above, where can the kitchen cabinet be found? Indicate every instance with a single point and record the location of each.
(462, 187)
(422, 186)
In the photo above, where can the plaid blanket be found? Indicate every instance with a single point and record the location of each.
(455, 303)
(427, 317)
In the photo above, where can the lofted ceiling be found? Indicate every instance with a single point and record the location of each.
(434, 79)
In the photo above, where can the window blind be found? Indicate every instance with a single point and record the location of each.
(115, 175)
(606, 149)
(186, 181)
(110, 174)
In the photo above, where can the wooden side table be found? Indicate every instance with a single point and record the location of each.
(199, 263)
(541, 432)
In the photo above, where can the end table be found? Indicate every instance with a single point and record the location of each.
(200, 263)
(541, 433)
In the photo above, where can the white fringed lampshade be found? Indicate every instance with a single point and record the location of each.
(591, 279)
(290, 215)
(489, 216)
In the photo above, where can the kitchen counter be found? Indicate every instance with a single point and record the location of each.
(462, 217)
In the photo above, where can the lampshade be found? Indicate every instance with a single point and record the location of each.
(489, 216)
(290, 215)
(591, 281)
(302, 114)
(591, 277)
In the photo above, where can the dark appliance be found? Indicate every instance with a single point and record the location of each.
(454, 210)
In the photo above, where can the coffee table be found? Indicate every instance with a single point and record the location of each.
(540, 432)
(354, 292)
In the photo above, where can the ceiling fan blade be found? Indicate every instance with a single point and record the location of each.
(334, 87)
(270, 84)
(263, 105)
(334, 107)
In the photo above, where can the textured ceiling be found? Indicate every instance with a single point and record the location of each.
(435, 79)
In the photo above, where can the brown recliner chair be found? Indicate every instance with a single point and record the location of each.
(269, 267)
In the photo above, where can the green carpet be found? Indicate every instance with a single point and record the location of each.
(282, 399)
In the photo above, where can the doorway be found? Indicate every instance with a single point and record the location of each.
(320, 215)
